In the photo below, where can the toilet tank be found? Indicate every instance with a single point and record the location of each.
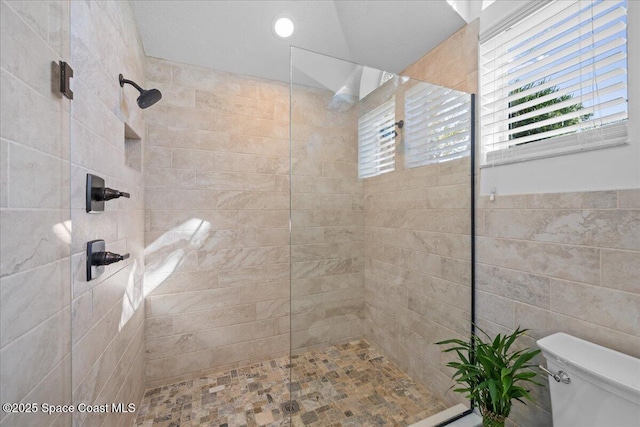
(604, 387)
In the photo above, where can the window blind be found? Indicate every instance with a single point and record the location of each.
(376, 141)
(437, 125)
(555, 82)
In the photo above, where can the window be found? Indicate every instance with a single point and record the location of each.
(555, 82)
(437, 125)
(376, 141)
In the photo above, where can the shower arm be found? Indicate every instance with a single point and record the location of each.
(132, 83)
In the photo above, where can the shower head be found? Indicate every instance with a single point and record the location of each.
(147, 97)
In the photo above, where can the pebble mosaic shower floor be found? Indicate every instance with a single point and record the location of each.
(344, 385)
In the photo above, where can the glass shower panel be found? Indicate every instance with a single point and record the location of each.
(380, 242)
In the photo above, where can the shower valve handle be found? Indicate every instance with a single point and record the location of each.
(106, 258)
(105, 193)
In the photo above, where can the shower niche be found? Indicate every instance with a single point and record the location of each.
(381, 232)
(132, 149)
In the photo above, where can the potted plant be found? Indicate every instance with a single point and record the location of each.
(492, 374)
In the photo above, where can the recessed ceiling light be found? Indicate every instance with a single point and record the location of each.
(283, 26)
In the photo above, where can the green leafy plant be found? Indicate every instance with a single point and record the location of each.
(492, 374)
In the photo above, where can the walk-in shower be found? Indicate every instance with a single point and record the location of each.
(381, 242)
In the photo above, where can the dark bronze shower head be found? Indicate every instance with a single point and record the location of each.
(147, 97)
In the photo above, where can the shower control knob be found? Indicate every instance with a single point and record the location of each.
(97, 193)
(106, 258)
(105, 193)
(98, 257)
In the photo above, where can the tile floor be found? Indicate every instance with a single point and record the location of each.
(344, 385)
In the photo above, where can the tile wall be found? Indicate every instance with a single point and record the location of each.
(565, 262)
(107, 313)
(217, 221)
(35, 239)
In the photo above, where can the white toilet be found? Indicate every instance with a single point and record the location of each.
(590, 385)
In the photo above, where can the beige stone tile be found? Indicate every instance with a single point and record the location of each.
(323, 335)
(88, 349)
(324, 284)
(348, 311)
(541, 258)
(177, 117)
(183, 344)
(257, 200)
(254, 274)
(54, 389)
(34, 296)
(28, 359)
(164, 178)
(220, 161)
(629, 199)
(455, 270)
(587, 200)
(614, 309)
(301, 253)
(496, 309)
(230, 259)
(4, 172)
(215, 298)
(246, 238)
(182, 281)
(253, 349)
(440, 220)
(20, 37)
(192, 220)
(81, 143)
(177, 96)
(503, 202)
(263, 219)
(107, 375)
(448, 197)
(621, 270)
(195, 199)
(515, 285)
(184, 137)
(157, 157)
(216, 101)
(450, 293)
(542, 323)
(236, 181)
(604, 228)
(48, 238)
(307, 269)
(450, 316)
(213, 81)
(81, 316)
(182, 364)
(34, 121)
(91, 72)
(182, 323)
(158, 70)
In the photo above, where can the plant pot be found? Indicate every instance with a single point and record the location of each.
(489, 419)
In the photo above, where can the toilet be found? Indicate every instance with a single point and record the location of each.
(590, 385)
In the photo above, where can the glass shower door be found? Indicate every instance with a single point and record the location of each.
(380, 242)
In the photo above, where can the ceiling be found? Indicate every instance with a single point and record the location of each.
(236, 35)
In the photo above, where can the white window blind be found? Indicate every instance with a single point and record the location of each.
(376, 141)
(555, 82)
(437, 125)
